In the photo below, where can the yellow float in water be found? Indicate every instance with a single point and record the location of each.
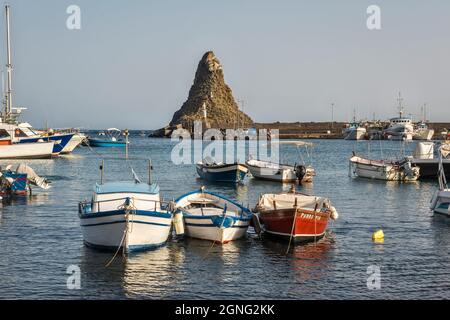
(378, 236)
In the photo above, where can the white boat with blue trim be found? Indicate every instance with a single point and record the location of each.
(213, 217)
(125, 214)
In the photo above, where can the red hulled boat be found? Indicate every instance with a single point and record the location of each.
(295, 216)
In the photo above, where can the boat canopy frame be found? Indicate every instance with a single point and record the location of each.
(127, 159)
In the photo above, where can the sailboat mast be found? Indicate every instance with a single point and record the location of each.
(8, 66)
(400, 106)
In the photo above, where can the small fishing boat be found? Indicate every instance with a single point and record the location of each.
(388, 170)
(440, 203)
(209, 170)
(127, 215)
(294, 216)
(267, 170)
(112, 138)
(209, 216)
(18, 182)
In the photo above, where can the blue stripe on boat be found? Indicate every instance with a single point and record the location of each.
(212, 225)
(123, 221)
(232, 175)
(57, 147)
(132, 248)
(189, 216)
(122, 212)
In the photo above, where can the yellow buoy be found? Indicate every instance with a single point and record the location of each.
(378, 236)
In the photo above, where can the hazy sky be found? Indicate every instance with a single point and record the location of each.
(133, 62)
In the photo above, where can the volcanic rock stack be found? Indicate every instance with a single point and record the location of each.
(210, 100)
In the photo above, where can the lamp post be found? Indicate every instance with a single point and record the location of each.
(332, 115)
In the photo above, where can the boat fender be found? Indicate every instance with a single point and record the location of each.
(178, 223)
(334, 214)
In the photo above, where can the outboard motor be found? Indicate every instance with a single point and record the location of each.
(300, 172)
(407, 168)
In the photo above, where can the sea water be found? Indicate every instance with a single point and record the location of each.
(42, 247)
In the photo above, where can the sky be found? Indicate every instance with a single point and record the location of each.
(132, 62)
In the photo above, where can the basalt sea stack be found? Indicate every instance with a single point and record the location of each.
(210, 100)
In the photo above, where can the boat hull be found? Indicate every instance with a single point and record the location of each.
(355, 134)
(35, 150)
(441, 202)
(284, 173)
(209, 228)
(223, 222)
(136, 231)
(60, 141)
(105, 143)
(309, 225)
(423, 134)
(380, 170)
(222, 173)
(74, 142)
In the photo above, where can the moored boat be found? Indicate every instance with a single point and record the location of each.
(209, 216)
(266, 170)
(209, 170)
(294, 216)
(400, 128)
(111, 139)
(388, 170)
(125, 214)
(18, 182)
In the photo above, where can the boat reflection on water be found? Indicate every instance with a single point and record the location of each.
(153, 274)
(308, 261)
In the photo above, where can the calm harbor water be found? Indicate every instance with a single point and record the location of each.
(40, 237)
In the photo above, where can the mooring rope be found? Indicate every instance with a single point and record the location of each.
(212, 245)
(128, 208)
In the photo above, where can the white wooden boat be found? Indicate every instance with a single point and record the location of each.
(209, 216)
(266, 170)
(384, 169)
(125, 214)
(440, 203)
